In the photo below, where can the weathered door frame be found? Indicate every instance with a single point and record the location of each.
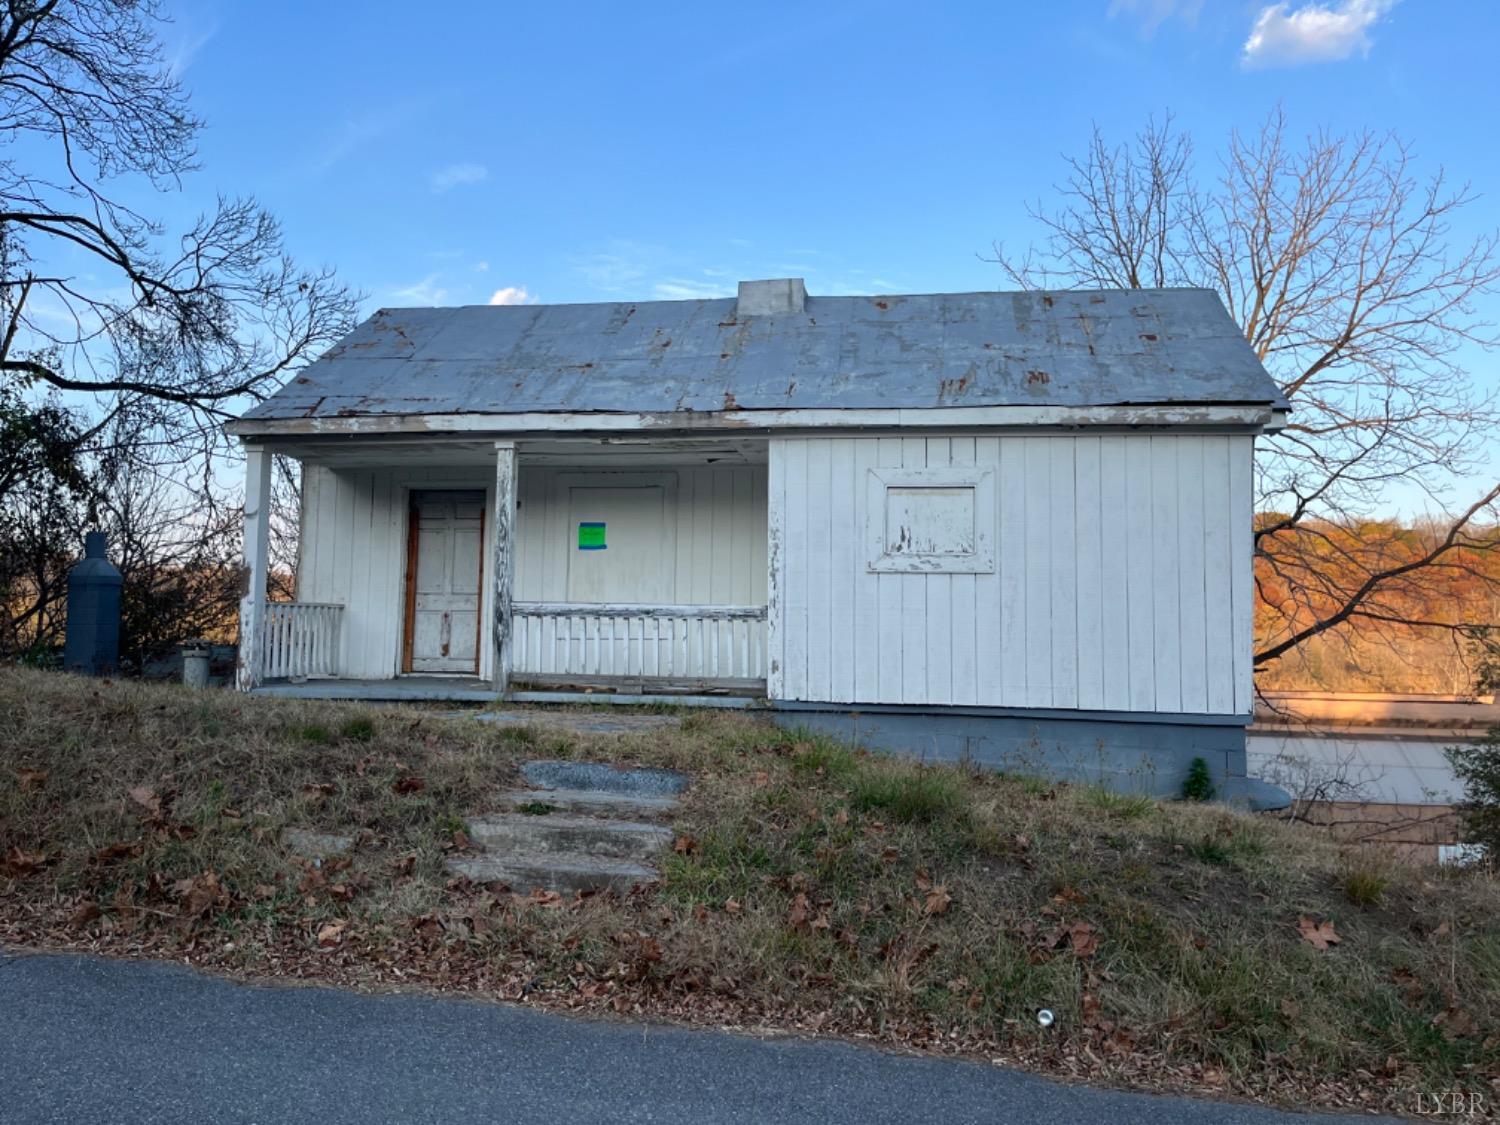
(409, 580)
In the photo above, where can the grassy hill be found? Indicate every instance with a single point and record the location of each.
(812, 888)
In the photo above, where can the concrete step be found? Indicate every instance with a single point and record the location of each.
(566, 872)
(604, 777)
(566, 832)
(593, 802)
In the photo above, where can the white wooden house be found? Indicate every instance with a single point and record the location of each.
(982, 524)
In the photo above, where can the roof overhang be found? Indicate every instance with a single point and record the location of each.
(1236, 416)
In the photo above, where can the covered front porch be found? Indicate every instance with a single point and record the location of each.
(459, 569)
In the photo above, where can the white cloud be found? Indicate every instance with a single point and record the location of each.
(458, 175)
(622, 268)
(366, 127)
(481, 267)
(685, 289)
(424, 292)
(1287, 36)
(180, 54)
(1153, 13)
(512, 295)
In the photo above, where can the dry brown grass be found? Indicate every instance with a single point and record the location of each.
(814, 888)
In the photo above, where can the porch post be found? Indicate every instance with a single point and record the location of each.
(257, 563)
(505, 557)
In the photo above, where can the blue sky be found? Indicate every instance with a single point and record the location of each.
(577, 152)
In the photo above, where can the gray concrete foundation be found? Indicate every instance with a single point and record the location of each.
(1147, 754)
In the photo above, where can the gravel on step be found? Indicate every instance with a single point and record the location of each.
(567, 833)
(639, 805)
(553, 774)
(558, 871)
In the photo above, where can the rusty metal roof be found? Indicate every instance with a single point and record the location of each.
(1107, 348)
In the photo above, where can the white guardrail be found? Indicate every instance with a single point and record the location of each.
(686, 642)
(299, 639)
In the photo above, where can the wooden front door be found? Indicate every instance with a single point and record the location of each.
(444, 579)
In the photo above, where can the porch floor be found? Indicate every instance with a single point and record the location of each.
(403, 689)
(526, 689)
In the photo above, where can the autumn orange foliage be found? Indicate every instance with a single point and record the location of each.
(1420, 632)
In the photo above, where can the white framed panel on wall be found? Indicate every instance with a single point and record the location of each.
(1068, 530)
(930, 520)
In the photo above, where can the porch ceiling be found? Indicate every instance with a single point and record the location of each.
(584, 452)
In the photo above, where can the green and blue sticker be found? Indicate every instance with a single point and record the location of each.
(591, 537)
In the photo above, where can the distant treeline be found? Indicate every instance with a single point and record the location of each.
(1436, 632)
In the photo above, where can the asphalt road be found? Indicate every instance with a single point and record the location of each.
(89, 1040)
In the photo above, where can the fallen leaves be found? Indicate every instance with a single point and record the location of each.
(903, 933)
(87, 912)
(200, 895)
(147, 798)
(1084, 939)
(640, 951)
(1319, 935)
(332, 934)
(1081, 939)
(122, 849)
(938, 900)
(1455, 1022)
(17, 862)
(799, 912)
(1409, 983)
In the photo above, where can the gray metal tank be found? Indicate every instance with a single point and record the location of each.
(93, 643)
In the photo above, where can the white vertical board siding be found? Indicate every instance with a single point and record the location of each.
(1121, 578)
(939, 598)
(843, 484)
(989, 628)
(1242, 581)
(1114, 569)
(1011, 571)
(719, 522)
(354, 554)
(961, 606)
(1089, 546)
(816, 552)
(354, 545)
(1192, 589)
(1219, 572)
(1165, 574)
(864, 618)
(892, 639)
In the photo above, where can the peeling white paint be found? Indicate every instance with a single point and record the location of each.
(946, 418)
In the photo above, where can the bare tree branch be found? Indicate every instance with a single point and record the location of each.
(1342, 268)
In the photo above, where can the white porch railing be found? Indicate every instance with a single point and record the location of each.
(299, 639)
(680, 642)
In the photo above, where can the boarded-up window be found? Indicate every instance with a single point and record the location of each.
(931, 520)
